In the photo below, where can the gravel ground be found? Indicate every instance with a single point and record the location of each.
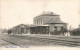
(19, 40)
(2, 43)
(22, 41)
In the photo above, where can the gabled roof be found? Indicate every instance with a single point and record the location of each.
(19, 26)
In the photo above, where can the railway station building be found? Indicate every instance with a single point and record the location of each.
(45, 23)
(51, 19)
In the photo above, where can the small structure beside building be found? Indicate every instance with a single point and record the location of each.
(20, 29)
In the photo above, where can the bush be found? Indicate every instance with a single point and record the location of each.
(59, 32)
(76, 32)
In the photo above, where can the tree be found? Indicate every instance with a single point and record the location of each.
(63, 30)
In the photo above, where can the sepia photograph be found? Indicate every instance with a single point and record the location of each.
(39, 23)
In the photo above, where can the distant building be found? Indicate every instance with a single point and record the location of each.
(51, 19)
(20, 29)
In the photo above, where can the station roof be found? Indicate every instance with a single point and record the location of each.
(55, 22)
(50, 20)
(47, 13)
(38, 25)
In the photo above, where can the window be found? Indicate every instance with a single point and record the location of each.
(22, 30)
(37, 22)
(55, 27)
(61, 27)
(41, 22)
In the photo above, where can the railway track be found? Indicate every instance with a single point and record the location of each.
(49, 41)
(10, 42)
(57, 41)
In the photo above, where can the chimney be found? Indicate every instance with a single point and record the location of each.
(47, 12)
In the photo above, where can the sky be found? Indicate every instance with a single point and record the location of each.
(15, 12)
